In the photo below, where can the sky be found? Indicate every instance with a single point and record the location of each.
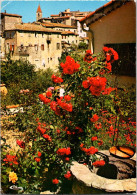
(27, 9)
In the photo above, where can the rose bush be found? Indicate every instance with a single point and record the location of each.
(73, 127)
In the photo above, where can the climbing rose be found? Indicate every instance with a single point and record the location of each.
(94, 138)
(97, 85)
(48, 94)
(86, 84)
(39, 154)
(67, 159)
(56, 79)
(67, 97)
(47, 137)
(44, 99)
(55, 181)
(94, 118)
(70, 66)
(37, 159)
(63, 151)
(20, 143)
(67, 175)
(11, 159)
(111, 54)
(41, 130)
(107, 91)
(98, 163)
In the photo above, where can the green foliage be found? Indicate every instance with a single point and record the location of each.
(82, 45)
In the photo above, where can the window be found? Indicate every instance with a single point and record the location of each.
(21, 34)
(48, 60)
(57, 36)
(58, 46)
(51, 59)
(29, 35)
(42, 47)
(8, 47)
(36, 47)
(36, 35)
(42, 35)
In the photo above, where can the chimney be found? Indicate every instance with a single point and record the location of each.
(5, 11)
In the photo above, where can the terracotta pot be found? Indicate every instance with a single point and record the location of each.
(3, 89)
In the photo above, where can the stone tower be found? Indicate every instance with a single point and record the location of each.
(38, 13)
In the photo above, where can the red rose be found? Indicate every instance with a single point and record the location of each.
(56, 79)
(48, 94)
(67, 175)
(86, 84)
(94, 138)
(97, 85)
(39, 154)
(41, 130)
(55, 181)
(21, 144)
(47, 137)
(67, 97)
(98, 163)
(67, 159)
(94, 118)
(37, 159)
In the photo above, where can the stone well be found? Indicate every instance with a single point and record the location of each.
(92, 180)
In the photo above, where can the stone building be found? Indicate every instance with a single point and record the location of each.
(68, 17)
(38, 45)
(114, 25)
(9, 20)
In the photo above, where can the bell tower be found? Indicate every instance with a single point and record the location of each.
(38, 13)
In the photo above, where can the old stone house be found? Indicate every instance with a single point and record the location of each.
(114, 25)
(34, 43)
(69, 18)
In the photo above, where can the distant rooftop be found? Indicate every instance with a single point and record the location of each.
(12, 15)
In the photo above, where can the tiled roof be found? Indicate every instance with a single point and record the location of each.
(63, 17)
(53, 15)
(14, 15)
(68, 32)
(39, 9)
(32, 27)
(57, 25)
(109, 4)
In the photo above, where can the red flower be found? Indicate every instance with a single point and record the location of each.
(94, 138)
(111, 54)
(37, 159)
(67, 159)
(107, 91)
(97, 85)
(108, 66)
(67, 97)
(21, 144)
(100, 143)
(98, 126)
(11, 159)
(39, 154)
(56, 79)
(94, 118)
(47, 137)
(58, 131)
(63, 151)
(70, 66)
(90, 151)
(67, 175)
(44, 99)
(41, 130)
(80, 130)
(86, 84)
(48, 94)
(55, 181)
(98, 163)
